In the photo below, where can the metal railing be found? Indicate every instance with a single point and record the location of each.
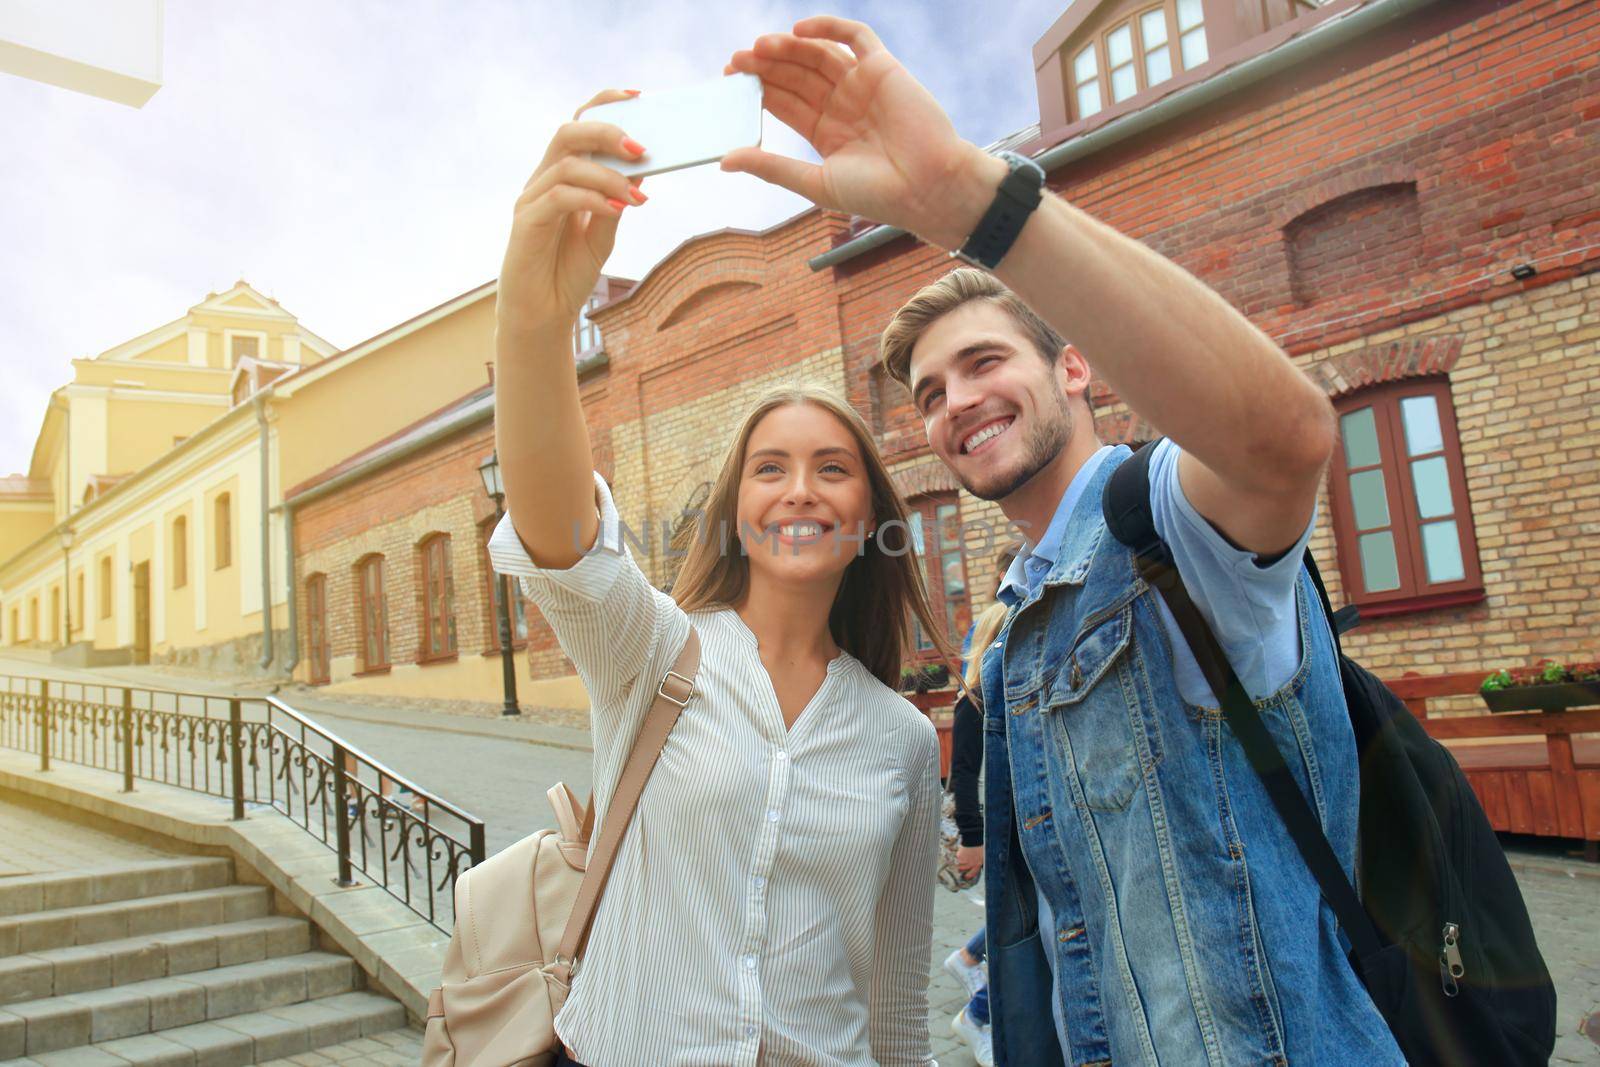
(257, 751)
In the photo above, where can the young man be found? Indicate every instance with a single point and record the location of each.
(1145, 904)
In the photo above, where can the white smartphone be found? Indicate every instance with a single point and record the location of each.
(684, 127)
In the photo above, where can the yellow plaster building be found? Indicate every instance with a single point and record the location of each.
(144, 515)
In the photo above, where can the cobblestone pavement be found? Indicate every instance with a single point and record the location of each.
(500, 771)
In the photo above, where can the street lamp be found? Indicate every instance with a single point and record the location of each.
(489, 470)
(65, 535)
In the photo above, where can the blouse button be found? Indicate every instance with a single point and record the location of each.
(749, 1030)
(772, 814)
(749, 963)
(782, 755)
(759, 881)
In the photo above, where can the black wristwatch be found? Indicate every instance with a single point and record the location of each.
(997, 231)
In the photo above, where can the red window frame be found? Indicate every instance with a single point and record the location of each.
(497, 582)
(438, 639)
(1414, 592)
(943, 549)
(372, 615)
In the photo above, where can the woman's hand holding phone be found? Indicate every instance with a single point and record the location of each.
(565, 224)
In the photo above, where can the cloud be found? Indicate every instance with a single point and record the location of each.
(358, 161)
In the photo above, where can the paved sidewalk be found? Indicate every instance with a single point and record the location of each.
(33, 841)
(499, 771)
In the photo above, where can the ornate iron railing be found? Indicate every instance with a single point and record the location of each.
(261, 751)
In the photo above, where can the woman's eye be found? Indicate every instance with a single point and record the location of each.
(764, 467)
(835, 466)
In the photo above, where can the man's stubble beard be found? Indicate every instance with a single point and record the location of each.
(1046, 440)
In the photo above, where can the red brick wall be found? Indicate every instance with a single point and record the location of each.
(392, 511)
(1484, 114)
(1415, 167)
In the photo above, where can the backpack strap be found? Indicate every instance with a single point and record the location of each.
(671, 695)
(1126, 504)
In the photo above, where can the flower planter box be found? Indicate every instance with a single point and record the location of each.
(1556, 696)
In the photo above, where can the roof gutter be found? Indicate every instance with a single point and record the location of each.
(260, 400)
(1319, 39)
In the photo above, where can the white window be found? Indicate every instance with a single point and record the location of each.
(1192, 33)
(1086, 80)
(1119, 56)
(586, 335)
(1157, 56)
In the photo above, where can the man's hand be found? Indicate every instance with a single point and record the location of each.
(889, 152)
(969, 860)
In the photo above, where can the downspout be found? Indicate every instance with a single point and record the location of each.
(289, 576)
(1336, 31)
(266, 537)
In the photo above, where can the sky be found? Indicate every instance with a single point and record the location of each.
(358, 161)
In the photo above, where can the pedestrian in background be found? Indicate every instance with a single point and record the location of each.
(966, 964)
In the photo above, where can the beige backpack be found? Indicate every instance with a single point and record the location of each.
(523, 915)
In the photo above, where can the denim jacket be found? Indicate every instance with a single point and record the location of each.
(1186, 928)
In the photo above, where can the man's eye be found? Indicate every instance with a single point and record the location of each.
(933, 395)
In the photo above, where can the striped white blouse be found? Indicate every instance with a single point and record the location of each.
(772, 900)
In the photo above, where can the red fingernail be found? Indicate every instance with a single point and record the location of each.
(618, 204)
(638, 195)
(633, 146)
(631, 92)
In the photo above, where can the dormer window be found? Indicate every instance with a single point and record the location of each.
(1119, 52)
(1192, 33)
(1086, 82)
(1134, 55)
(1157, 57)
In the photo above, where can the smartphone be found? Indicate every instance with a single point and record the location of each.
(684, 127)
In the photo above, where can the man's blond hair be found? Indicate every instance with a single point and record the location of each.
(957, 289)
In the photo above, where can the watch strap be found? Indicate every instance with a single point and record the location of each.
(1018, 195)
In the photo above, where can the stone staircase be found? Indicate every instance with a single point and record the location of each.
(169, 962)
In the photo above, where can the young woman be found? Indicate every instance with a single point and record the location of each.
(772, 899)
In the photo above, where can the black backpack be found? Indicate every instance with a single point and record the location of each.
(1439, 933)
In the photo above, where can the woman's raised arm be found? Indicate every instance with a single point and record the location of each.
(562, 231)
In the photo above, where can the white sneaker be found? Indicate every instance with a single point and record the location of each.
(971, 975)
(977, 1038)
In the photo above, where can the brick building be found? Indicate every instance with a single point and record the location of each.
(1400, 192)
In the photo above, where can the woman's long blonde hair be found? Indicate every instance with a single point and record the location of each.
(986, 628)
(882, 591)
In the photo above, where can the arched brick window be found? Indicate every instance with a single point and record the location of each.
(1402, 521)
(497, 584)
(317, 627)
(438, 600)
(1365, 241)
(372, 614)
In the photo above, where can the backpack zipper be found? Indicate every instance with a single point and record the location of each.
(1450, 965)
